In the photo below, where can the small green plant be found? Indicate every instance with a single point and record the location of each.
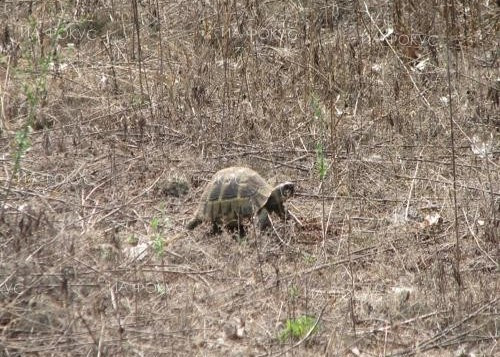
(316, 107)
(155, 224)
(309, 258)
(159, 245)
(293, 292)
(23, 143)
(158, 225)
(298, 328)
(132, 240)
(321, 165)
(35, 89)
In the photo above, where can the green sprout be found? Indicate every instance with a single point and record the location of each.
(321, 165)
(23, 143)
(159, 245)
(298, 328)
(155, 224)
(132, 240)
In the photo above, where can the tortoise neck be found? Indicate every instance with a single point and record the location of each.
(274, 203)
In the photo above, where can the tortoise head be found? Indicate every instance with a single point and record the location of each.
(286, 189)
(278, 196)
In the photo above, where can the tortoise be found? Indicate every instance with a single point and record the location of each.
(238, 193)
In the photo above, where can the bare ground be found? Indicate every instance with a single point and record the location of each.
(112, 121)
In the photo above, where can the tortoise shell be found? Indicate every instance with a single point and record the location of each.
(238, 193)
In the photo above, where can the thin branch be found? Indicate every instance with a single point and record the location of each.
(456, 267)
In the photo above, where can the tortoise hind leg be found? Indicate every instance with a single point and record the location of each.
(236, 226)
(216, 228)
(241, 230)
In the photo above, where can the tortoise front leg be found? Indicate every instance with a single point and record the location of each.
(264, 221)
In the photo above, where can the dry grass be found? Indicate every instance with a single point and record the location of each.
(97, 124)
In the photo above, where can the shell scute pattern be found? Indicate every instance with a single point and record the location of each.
(237, 193)
(233, 193)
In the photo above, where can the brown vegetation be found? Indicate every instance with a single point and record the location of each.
(113, 116)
